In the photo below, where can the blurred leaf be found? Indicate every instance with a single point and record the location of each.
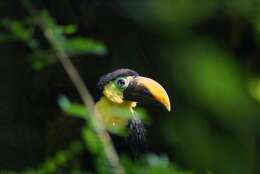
(75, 45)
(72, 109)
(53, 30)
(79, 110)
(254, 88)
(101, 165)
(18, 29)
(155, 160)
(214, 81)
(143, 115)
(40, 59)
(91, 140)
(121, 112)
(80, 45)
(151, 164)
(118, 129)
(169, 16)
(126, 115)
(241, 8)
(69, 29)
(256, 24)
(59, 159)
(123, 115)
(201, 146)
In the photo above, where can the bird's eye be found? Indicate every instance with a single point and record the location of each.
(121, 82)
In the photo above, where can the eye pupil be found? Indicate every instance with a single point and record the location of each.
(121, 82)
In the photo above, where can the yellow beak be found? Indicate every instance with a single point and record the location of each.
(143, 88)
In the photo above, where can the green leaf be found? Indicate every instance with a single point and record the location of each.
(256, 24)
(91, 140)
(69, 29)
(18, 29)
(40, 59)
(52, 28)
(254, 88)
(73, 109)
(75, 45)
(120, 130)
(80, 45)
(143, 115)
(152, 164)
(60, 158)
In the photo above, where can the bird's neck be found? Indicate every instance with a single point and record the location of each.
(115, 114)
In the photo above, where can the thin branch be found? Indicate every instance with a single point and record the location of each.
(88, 102)
(76, 79)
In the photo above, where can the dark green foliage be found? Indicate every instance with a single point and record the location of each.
(72, 109)
(79, 45)
(60, 159)
(205, 53)
(152, 164)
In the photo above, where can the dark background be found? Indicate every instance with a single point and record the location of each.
(205, 54)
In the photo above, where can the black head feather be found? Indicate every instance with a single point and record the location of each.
(105, 79)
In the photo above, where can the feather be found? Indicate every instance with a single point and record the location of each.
(136, 138)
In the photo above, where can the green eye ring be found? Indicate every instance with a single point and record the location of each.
(121, 82)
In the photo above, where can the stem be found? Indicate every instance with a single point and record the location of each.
(84, 93)
(88, 102)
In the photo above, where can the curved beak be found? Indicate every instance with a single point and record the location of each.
(143, 89)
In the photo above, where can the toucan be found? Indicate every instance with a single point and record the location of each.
(122, 89)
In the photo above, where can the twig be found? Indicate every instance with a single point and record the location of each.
(76, 79)
(88, 102)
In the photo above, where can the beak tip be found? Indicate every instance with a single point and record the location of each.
(156, 90)
(168, 107)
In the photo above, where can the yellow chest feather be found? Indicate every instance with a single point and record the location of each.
(115, 114)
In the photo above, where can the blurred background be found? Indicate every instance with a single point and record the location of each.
(205, 54)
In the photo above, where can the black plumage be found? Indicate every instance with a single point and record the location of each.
(136, 138)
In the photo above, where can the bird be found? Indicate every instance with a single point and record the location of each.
(122, 90)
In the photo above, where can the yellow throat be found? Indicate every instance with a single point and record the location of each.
(115, 114)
